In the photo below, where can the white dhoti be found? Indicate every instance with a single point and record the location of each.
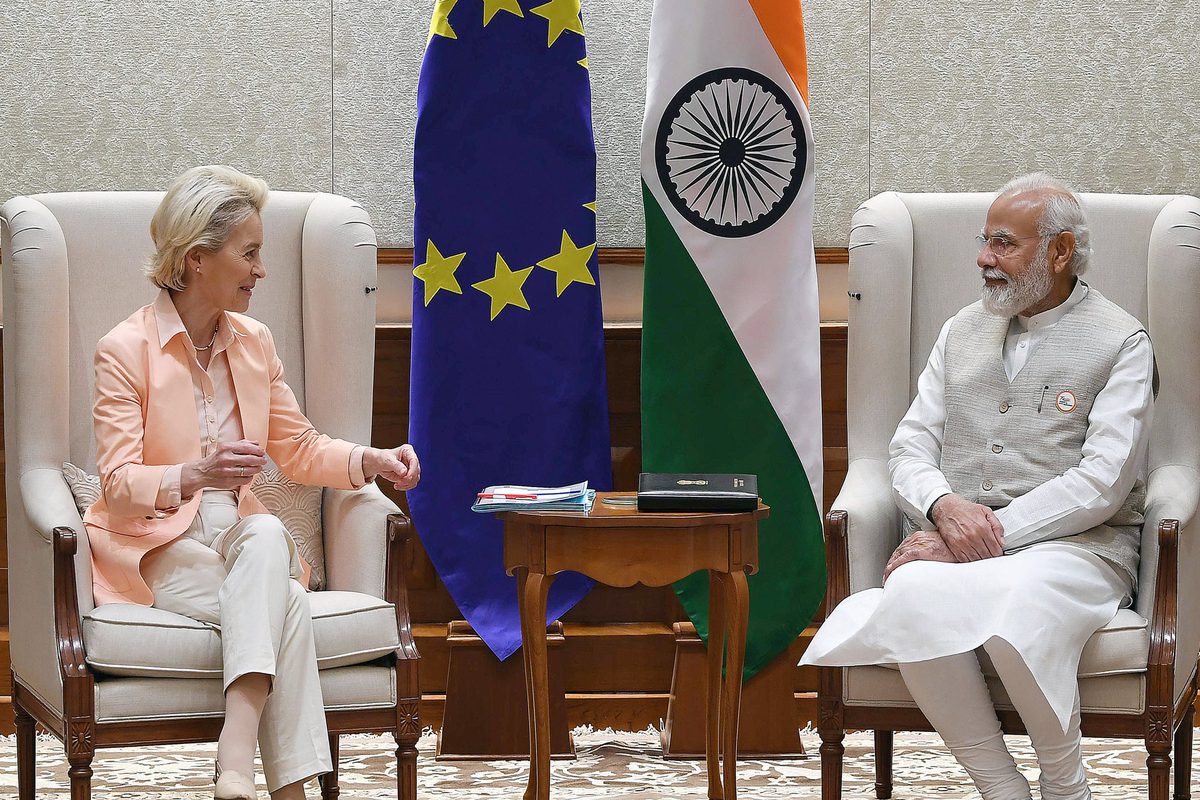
(1032, 611)
(237, 575)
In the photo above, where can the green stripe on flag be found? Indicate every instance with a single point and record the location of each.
(703, 410)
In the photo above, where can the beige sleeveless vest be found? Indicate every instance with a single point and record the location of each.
(1003, 439)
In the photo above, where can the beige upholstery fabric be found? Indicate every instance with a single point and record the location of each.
(72, 270)
(299, 507)
(355, 544)
(878, 686)
(127, 639)
(1120, 647)
(912, 259)
(130, 699)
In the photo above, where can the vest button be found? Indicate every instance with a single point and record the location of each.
(1004, 407)
(987, 486)
(997, 448)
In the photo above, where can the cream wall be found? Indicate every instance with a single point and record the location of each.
(921, 95)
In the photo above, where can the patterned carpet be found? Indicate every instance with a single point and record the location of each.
(610, 765)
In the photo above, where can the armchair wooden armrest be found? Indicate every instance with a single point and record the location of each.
(1161, 715)
(399, 554)
(408, 688)
(78, 724)
(829, 679)
(68, 627)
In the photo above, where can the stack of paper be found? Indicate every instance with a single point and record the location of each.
(577, 497)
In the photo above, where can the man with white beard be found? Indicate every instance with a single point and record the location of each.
(1022, 463)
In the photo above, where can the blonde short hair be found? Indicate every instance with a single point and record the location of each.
(200, 209)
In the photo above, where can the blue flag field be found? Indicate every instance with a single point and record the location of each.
(508, 379)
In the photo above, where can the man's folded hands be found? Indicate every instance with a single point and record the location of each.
(966, 531)
(920, 546)
(970, 530)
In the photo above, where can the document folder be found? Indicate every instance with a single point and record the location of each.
(666, 491)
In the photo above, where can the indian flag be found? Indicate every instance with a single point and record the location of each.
(731, 348)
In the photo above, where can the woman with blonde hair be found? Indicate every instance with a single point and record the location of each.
(190, 401)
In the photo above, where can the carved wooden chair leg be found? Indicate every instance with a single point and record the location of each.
(832, 752)
(1183, 754)
(80, 773)
(329, 781)
(406, 765)
(26, 752)
(1158, 768)
(883, 764)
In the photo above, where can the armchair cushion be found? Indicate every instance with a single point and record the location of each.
(85, 487)
(877, 687)
(1121, 647)
(145, 699)
(133, 640)
(299, 507)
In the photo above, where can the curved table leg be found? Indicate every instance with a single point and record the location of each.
(522, 575)
(737, 606)
(534, 590)
(716, 650)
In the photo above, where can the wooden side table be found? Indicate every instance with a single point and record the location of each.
(620, 547)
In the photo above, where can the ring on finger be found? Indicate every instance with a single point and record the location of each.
(241, 472)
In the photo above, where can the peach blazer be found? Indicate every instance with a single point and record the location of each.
(145, 421)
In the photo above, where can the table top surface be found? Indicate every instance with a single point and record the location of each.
(603, 515)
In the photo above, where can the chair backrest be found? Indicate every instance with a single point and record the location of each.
(72, 270)
(107, 240)
(912, 259)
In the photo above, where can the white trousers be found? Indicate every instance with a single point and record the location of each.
(954, 697)
(236, 575)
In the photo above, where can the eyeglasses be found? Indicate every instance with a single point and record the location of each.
(1001, 244)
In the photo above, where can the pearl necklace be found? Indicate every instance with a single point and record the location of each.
(210, 341)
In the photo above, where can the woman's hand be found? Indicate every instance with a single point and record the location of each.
(398, 465)
(229, 466)
(920, 546)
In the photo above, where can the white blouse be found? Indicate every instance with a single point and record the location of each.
(216, 400)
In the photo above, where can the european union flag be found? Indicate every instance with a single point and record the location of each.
(507, 360)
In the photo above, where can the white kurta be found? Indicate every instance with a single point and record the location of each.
(1047, 600)
(1114, 447)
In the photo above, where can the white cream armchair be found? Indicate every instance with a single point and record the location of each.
(129, 675)
(912, 265)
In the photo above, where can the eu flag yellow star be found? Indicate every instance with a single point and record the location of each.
(440, 24)
(437, 272)
(569, 265)
(562, 15)
(492, 7)
(504, 287)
